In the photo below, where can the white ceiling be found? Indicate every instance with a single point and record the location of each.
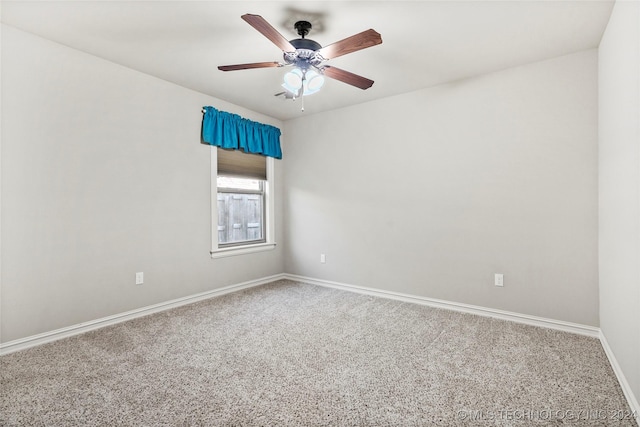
(425, 43)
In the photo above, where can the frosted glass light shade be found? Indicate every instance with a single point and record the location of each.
(313, 82)
(293, 80)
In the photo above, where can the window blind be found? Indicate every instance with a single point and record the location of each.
(239, 164)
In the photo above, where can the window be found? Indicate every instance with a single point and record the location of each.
(240, 211)
(242, 202)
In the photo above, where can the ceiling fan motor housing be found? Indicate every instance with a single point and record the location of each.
(305, 54)
(307, 44)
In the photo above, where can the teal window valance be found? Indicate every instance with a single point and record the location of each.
(230, 131)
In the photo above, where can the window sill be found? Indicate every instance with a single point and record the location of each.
(242, 250)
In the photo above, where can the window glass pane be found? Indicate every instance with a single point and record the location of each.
(239, 183)
(241, 212)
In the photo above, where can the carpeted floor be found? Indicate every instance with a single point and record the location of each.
(293, 354)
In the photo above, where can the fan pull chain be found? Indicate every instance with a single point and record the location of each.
(302, 94)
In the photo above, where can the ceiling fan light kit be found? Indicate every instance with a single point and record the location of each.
(301, 82)
(308, 57)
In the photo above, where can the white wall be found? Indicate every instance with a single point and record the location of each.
(432, 192)
(427, 193)
(103, 175)
(619, 182)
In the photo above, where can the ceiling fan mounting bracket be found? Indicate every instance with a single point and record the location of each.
(303, 28)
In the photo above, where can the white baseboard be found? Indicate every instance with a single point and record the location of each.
(490, 312)
(46, 337)
(624, 384)
(560, 325)
(23, 343)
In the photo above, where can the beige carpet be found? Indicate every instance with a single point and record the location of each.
(293, 354)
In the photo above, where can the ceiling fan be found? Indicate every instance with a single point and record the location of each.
(308, 57)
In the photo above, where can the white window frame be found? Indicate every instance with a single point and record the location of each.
(269, 220)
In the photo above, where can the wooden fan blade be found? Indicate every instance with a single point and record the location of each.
(260, 24)
(351, 44)
(347, 77)
(249, 66)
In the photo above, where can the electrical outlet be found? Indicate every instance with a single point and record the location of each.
(139, 278)
(323, 259)
(499, 279)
